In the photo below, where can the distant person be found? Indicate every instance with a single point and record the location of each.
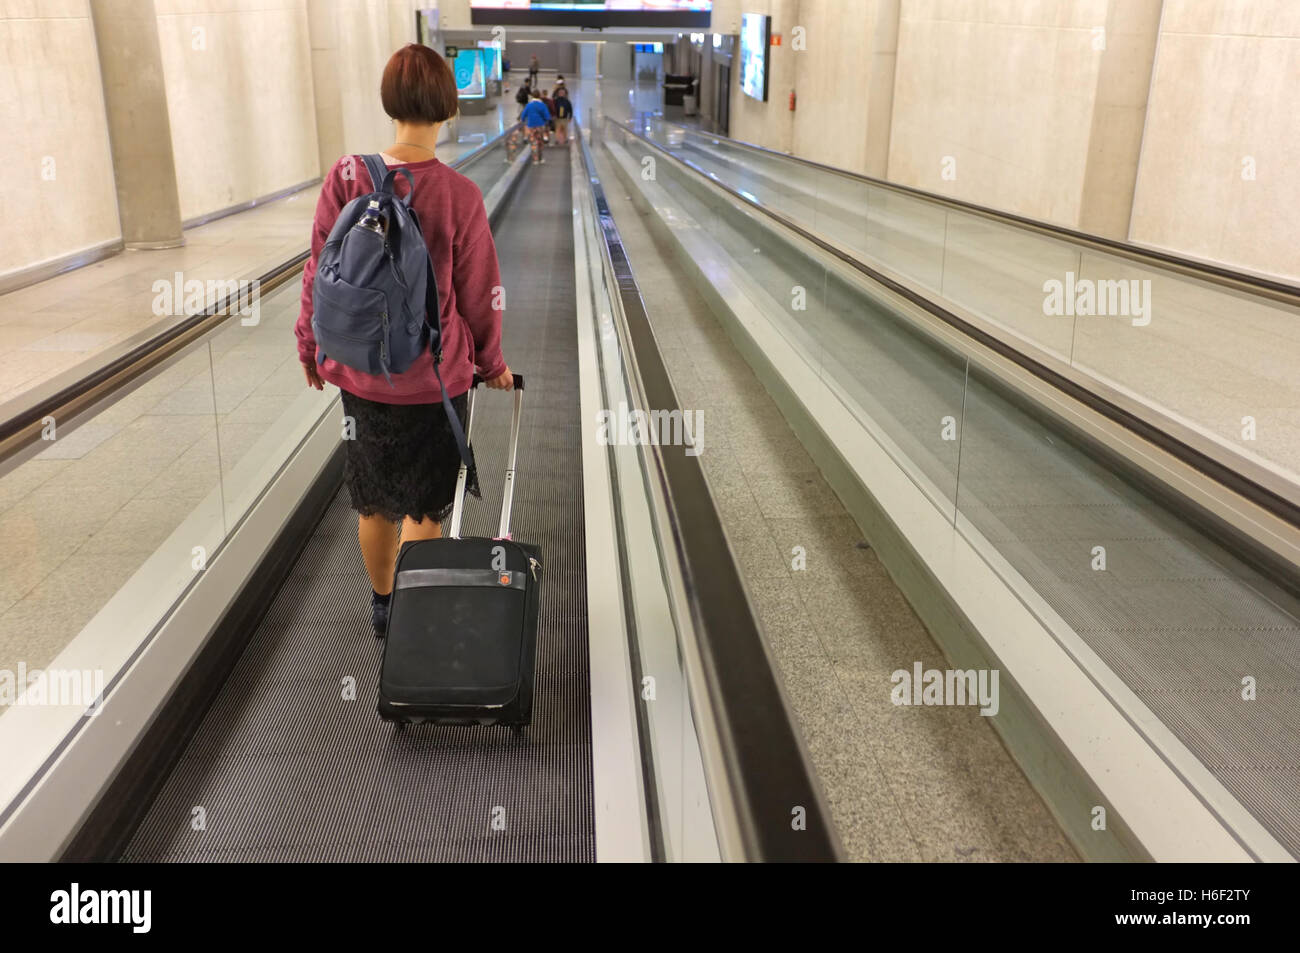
(533, 68)
(535, 117)
(563, 113)
(521, 98)
(402, 463)
(550, 108)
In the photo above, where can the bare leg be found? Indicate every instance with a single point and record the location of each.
(425, 529)
(378, 538)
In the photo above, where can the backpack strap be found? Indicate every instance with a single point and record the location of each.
(390, 180)
(377, 169)
(433, 313)
(382, 179)
(457, 431)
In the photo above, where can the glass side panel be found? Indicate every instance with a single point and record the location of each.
(1181, 626)
(1214, 363)
(1183, 623)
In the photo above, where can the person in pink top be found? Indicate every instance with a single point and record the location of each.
(402, 464)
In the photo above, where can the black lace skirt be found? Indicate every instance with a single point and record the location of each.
(403, 459)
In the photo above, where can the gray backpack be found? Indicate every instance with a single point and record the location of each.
(375, 301)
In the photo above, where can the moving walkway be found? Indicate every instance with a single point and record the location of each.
(238, 720)
(1132, 573)
(1134, 584)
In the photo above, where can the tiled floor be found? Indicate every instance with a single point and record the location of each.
(904, 783)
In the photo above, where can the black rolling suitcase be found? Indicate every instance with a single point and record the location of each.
(462, 625)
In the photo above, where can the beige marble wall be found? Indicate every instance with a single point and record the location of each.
(240, 98)
(832, 108)
(401, 21)
(1224, 105)
(351, 41)
(52, 122)
(993, 102)
(726, 15)
(454, 14)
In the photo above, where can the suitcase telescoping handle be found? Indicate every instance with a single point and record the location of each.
(508, 495)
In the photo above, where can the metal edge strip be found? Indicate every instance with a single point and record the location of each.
(759, 765)
(618, 748)
(34, 274)
(471, 578)
(206, 217)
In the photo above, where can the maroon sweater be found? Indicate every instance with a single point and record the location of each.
(455, 226)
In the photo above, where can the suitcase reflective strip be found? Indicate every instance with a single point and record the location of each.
(506, 579)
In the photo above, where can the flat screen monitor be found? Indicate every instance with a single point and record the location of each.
(602, 13)
(468, 67)
(491, 59)
(755, 41)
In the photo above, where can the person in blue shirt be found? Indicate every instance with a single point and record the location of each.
(536, 118)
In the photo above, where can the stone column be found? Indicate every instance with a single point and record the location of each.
(1119, 116)
(135, 98)
(880, 87)
(323, 30)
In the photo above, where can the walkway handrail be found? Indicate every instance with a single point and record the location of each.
(1234, 278)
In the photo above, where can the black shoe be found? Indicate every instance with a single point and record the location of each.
(379, 612)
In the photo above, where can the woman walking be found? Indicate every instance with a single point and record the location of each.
(402, 463)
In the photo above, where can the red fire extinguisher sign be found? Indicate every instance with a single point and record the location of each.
(792, 100)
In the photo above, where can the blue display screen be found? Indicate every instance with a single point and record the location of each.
(468, 67)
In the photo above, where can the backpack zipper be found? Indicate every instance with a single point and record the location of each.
(392, 263)
(533, 566)
(400, 278)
